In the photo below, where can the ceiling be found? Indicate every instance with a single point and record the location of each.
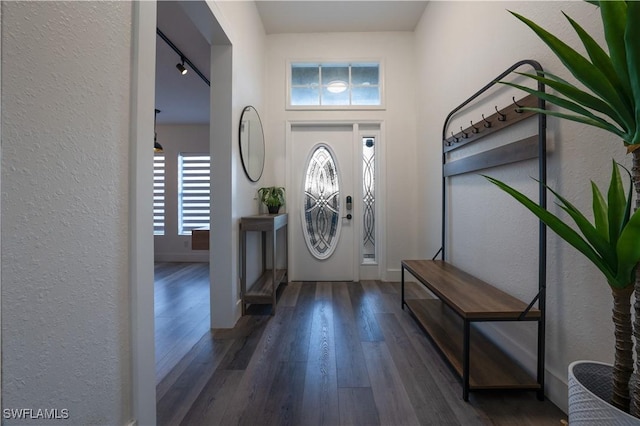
(184, 99)
(306, 16)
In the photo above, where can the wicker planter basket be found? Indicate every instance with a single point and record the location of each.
(590, 387)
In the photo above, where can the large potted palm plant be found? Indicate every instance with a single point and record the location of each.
(610, 100)
(612, 243)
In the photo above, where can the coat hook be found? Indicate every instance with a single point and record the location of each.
(487, 123)
(501, 116)
(455, 140)
(518, 107)
(464, 135)
(474, 129)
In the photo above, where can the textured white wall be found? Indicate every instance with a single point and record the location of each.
(65, 146)
(396, 50)
(176, 139)
(460, 46)
(246, 32)
(248, 89)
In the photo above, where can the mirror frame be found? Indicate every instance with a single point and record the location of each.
(245, 161)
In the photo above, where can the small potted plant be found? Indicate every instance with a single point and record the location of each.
(272, 197)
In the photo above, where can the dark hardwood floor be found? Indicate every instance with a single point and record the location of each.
(334, 354)
(181, 311)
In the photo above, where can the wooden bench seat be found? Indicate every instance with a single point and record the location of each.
(470, 297)
(464, 299)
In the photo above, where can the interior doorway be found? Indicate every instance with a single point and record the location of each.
(181, 186)
(203, 15)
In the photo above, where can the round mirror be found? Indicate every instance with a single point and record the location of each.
(251, 143)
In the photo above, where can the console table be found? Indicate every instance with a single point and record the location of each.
(264, 289)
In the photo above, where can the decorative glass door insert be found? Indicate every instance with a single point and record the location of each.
(321, 202)
(368, 200)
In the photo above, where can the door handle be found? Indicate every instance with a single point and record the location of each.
(349, 202)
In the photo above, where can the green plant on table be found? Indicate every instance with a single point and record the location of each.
(272, 196)
(610, 100)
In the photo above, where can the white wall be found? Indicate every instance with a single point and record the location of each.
(177, 139)
(395, 50)
(460, 46)
(247, 36)
(65, 177)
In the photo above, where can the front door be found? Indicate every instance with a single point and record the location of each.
(321, 208)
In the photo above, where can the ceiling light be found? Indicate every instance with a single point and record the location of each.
(156, 146)
(337, 86)
(181, 67)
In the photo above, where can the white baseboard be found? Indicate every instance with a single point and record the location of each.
(200, 256)
(556, 388)
(395, 275)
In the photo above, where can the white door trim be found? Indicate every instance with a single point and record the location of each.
(223, 275)
(1, 405)
(143, 380)
(380, 176)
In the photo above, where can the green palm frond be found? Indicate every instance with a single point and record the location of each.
(602, 61)
(611, 243)
(590, 118)
(614, 19)
(582, 69)
(573, 93)
(612, 78)
(632, 49)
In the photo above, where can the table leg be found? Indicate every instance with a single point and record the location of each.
(465, 361)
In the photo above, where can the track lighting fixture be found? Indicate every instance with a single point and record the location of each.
(156, 146)
(181, 67)
(183, 58)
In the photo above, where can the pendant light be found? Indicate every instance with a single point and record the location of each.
(156, 146)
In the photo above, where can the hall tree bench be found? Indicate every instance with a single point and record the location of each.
(462, 299)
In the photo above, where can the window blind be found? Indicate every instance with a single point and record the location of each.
(194, 192)
(158, 194)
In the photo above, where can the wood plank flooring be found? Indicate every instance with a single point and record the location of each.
(181, 311)
(334, 354)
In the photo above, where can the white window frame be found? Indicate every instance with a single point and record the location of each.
(182, 230)
(380, 63)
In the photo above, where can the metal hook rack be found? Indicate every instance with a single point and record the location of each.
(519, 150)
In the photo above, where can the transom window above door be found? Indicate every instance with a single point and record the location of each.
(334, 85)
